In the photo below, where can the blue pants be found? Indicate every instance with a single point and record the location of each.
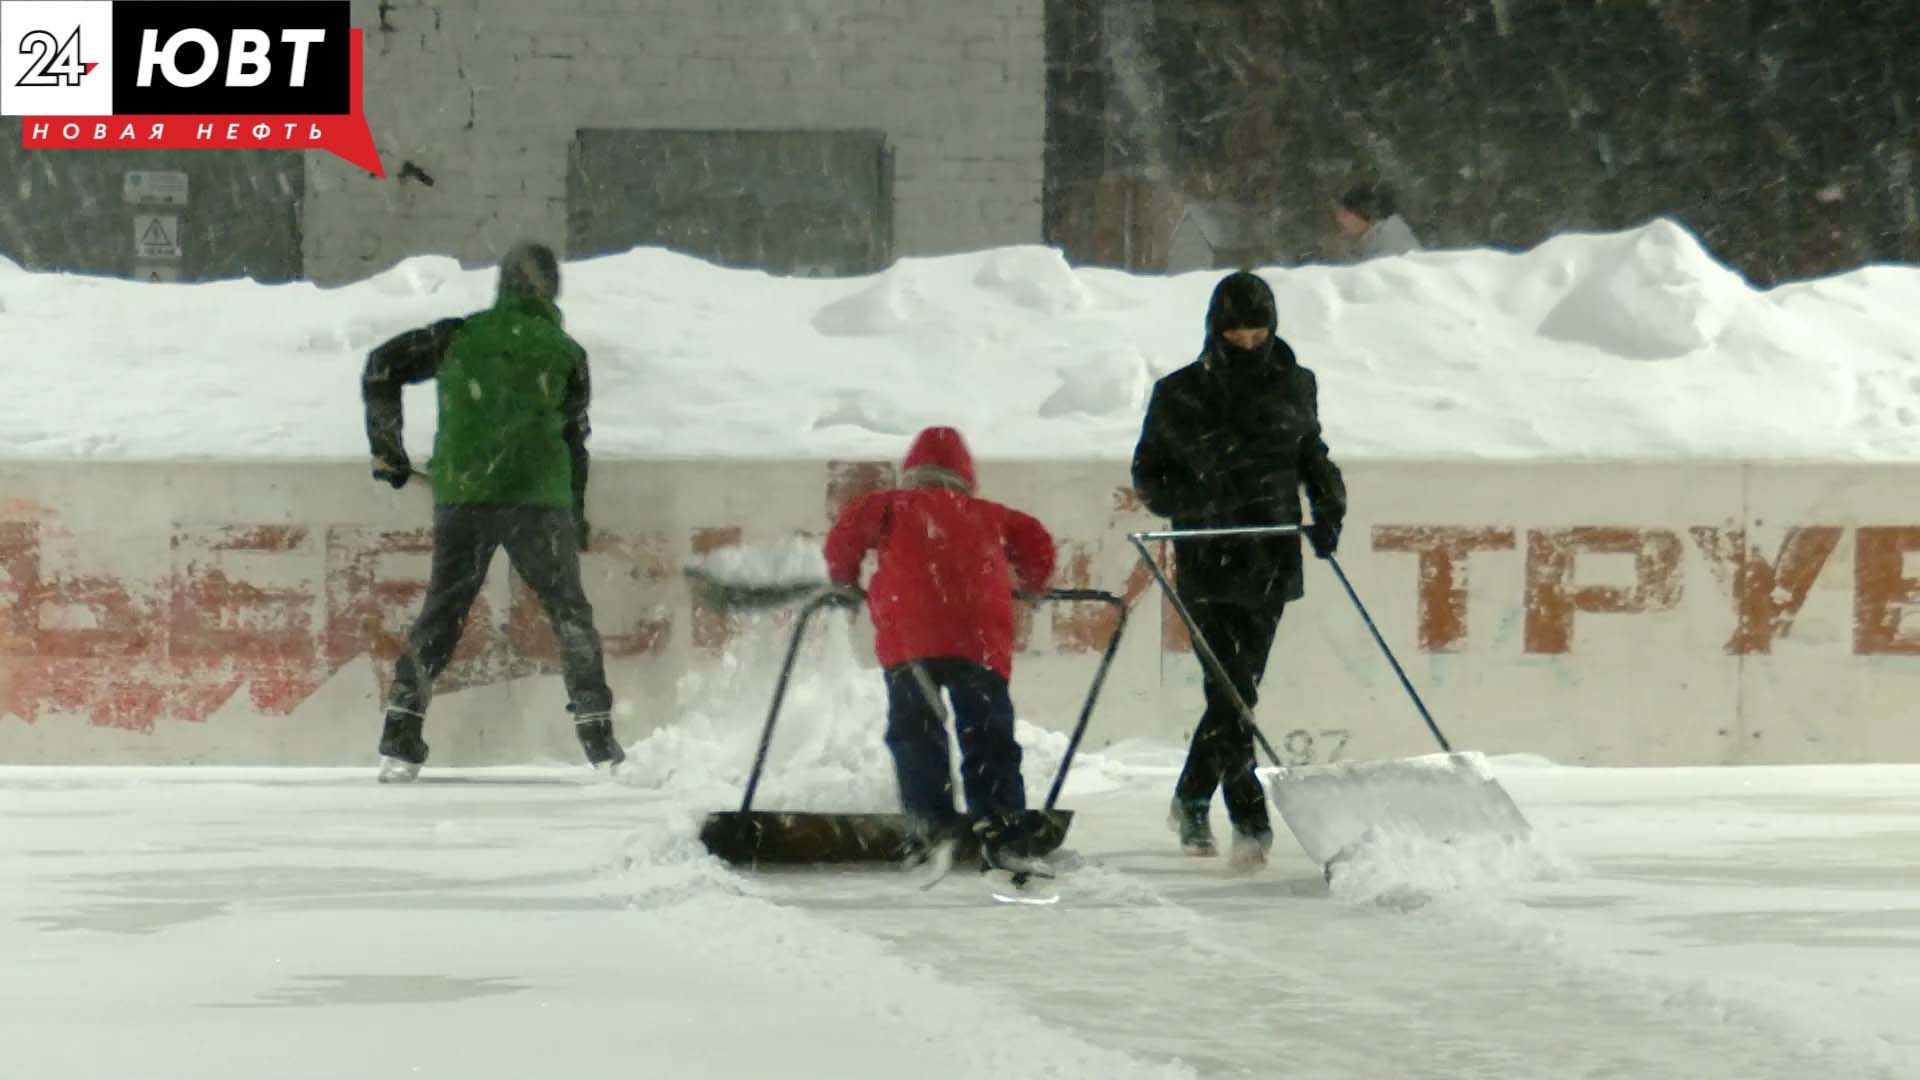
(983, 725)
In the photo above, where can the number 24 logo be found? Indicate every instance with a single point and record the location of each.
(55, 63)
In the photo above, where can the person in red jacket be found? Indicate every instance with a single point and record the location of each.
(942, 603)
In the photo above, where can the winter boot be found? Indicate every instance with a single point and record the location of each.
(595, 730)
(1188, 817)
(1250, 846)
(402, 748)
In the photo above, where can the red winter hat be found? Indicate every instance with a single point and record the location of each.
(939, 457)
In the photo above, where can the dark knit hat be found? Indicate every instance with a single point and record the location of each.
(1242, 301)
(530, 269)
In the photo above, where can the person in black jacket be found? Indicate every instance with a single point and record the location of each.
(1229, 440)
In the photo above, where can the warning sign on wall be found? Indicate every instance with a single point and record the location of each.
(156, 236)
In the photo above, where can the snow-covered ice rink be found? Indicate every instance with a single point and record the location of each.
(1738, 923)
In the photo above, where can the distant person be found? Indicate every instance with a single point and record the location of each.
(1368, 216)
(509, 470)
(1228, 441)
(942, 602)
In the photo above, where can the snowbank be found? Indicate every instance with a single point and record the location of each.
(1626, 345)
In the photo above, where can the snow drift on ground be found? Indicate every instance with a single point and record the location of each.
(1636, 344)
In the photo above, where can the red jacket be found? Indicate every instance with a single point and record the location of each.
(949, 563)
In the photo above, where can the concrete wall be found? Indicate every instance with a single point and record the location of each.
(485, 96)
(1600, 614)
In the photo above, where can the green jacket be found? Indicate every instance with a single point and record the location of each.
(513, 392)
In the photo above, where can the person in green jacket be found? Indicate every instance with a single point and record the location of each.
(509, 470)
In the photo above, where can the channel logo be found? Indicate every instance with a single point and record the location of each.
(185, 74)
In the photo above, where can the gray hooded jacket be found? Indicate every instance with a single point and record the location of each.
(1392, 236)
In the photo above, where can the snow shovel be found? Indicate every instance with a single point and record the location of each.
(753, 837)
(1450, 797)
(736, 596)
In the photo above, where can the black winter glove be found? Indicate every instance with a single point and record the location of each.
(583, 530)
(1325, 538)
(391, 471)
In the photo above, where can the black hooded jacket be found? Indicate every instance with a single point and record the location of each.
(1229, 440)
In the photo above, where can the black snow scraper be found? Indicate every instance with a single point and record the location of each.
(749, 837)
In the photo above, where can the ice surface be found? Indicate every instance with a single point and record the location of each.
(1630, 345)
(1717, 924)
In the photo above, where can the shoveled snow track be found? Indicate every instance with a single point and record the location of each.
(1166, 956)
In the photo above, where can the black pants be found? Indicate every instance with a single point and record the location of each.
(983, 726)
(541, 544)
(1222, 752)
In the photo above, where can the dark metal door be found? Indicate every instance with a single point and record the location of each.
(802, 203)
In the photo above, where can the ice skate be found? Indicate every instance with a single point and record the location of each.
(932, 861)
(1248, 851)
(1004, 847)
(603, 751)
(1013, 874)
(402, 748)
(396, 771)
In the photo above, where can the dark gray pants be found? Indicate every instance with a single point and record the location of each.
(541, 543)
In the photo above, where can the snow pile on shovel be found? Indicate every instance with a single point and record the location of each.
(1401, 833)
(828, 749)
(794, 560)
(1391, 868)
(1397, 830)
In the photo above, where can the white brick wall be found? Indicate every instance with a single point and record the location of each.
(486, 95)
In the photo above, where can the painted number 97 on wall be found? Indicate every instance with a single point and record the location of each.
(1306, 747)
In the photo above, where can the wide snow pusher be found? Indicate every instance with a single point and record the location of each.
(1332, 810)
(751, 837)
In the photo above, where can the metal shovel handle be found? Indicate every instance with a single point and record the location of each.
(1212, 661)
(1099, 675)
(1405, 683)
(828, 597)
(1200, 645)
